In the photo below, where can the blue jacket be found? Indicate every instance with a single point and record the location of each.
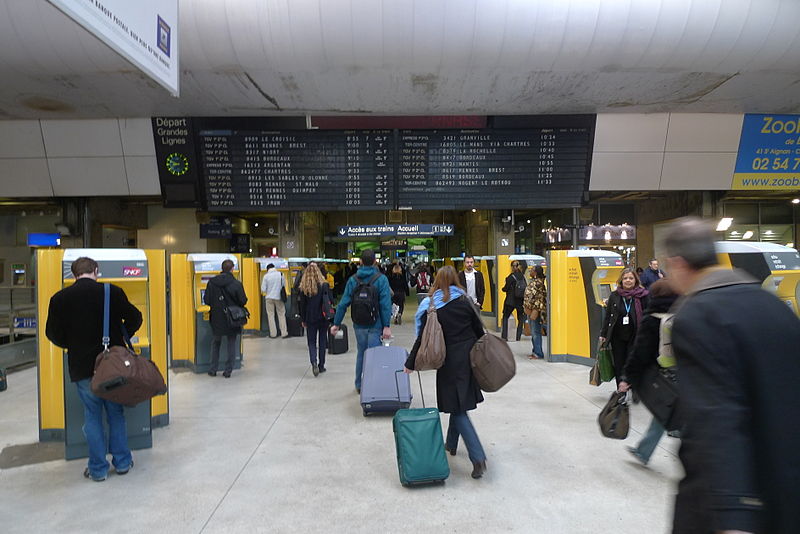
(381, 284)
(649, 277)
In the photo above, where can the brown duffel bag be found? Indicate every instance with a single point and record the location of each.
(124, 377)
(492, 361)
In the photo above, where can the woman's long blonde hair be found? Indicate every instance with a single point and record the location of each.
(312, 278)
(445, 277)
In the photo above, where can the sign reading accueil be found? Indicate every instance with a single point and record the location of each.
(144, 32)
(401, 230)
(769, 153)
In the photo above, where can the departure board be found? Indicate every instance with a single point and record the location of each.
(251, 170)
(513, 168)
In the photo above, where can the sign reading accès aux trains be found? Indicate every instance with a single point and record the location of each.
(402, 230)
(769, 153)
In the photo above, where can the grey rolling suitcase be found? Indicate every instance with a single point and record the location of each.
(379, 388)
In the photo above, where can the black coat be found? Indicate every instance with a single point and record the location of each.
(75, 323)
(399, 286)
(646, 345)
(311, 307)
(234, 294)
(614, 309)
(511, 281)
(480, 290)
(738, 357)
(456, 388)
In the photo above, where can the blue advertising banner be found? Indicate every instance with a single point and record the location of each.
(400, 230)
(769, 153)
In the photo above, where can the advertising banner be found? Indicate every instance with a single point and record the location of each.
(769, 153)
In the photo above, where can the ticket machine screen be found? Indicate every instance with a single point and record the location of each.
(605, 292)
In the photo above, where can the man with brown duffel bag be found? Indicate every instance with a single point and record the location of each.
(75, 323)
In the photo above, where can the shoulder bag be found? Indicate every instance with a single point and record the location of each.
(492, 361)
(237, 316)
(614, 419)
(432, 350)
(328, 309)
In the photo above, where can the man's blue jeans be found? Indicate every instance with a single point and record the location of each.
(460, 424)
(650, 440)
(366, 338)
(117, 442)
(536, 336)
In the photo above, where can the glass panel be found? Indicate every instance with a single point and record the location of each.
(776, 233)
(742, 213)
(776, 213)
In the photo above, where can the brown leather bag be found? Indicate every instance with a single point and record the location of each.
(124, 377)
(432, 350)
(492, 361)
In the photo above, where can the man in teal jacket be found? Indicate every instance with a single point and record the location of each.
(371, 318)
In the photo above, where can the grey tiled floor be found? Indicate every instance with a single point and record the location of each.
(274, 449)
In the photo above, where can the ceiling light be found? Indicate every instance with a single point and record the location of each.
(528, 221)
(734, 232)
(256, 225)
(748, 234)
(768, 232)
(724, 224)
(790, 245)
(796, 201)
(474, 210)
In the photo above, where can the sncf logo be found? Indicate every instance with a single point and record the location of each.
(131, 271)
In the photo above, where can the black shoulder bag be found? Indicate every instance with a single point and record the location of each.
(237, 316)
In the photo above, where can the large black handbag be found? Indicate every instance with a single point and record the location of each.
(658, 390)
(237, 316)
(614, 419)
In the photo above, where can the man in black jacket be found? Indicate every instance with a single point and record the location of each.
(75, 323)
(222, 291)
(738, 358)
(472, 280)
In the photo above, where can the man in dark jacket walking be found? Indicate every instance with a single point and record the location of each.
(75, 323)
(368, 332)
(738, 357)
(652, 274)
(224, 290)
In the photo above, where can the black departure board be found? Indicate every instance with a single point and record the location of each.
(514, 168)
(251, 170)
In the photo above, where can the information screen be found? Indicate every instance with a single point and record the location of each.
(449, 169)
(248, 170)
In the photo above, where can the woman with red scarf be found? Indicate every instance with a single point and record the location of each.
(623, 316)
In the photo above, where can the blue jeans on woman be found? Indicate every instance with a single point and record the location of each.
(317, 337)
(644, 450)
(117, 442)
(366, 338)
(536, 336)
(460, 424)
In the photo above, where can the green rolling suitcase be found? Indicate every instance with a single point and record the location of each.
(418, 440)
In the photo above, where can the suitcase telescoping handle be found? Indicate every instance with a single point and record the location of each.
(397, 383)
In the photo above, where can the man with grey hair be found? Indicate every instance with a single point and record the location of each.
(738, 355)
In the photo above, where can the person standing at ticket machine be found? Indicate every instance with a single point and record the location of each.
(623, 316)
(514, 289)
(223, 290)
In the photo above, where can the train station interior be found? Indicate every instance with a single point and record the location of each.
(164, 138)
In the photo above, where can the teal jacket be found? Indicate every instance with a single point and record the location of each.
(381, 284)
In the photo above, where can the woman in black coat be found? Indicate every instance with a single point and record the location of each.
(397, 281)
(313, 289)
(515, 299)
(645, 353)
(624, 312)
(457, 392)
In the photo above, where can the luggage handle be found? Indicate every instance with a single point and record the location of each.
(397, 384)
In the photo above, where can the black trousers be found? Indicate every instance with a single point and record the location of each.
(232, 350)
(400, 300)
(621, 348)
(507, 311)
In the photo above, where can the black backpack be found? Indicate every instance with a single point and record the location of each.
(365, 309)
(519, 287)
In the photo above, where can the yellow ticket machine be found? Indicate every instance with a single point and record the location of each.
(142, 275)
(282, 264)
(504, 269)
(487, 267)
(775, 266)
(579, 283)
(190, 326)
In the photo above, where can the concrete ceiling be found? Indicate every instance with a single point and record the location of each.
(267, 57)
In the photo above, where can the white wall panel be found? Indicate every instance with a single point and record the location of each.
(697, 171)
(634, 132)
(704, 132)
(82, 138)
(137, 137)
(21, 139)
(92, 177)
(621, 171)
(25, 177)
(142, 175)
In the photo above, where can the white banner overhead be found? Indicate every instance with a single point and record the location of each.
(145, 32)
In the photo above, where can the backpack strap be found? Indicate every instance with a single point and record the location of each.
(106, 312)
(374, 277)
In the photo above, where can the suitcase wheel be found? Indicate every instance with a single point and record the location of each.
(364, 412)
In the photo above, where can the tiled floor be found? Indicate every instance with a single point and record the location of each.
(275, 449)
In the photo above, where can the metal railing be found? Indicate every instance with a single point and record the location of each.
(18, 325)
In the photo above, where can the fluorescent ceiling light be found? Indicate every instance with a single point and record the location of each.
(748, 234)
(796, 201)
(724, 224)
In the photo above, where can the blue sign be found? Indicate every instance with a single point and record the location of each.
(769, 153)
(399, 230)
(24, 322)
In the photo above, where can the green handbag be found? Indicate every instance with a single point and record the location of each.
(603, 368)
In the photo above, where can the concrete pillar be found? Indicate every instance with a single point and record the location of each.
(501, 239)
(290, 234)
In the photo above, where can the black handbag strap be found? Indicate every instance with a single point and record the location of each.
(107, 320)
